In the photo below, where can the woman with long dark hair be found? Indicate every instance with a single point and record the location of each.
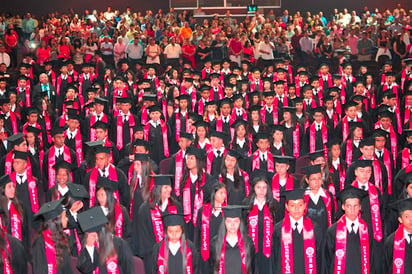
(13, 257)
(201, 136)
(34, 146)
(150, 227)
(293, 132)
(209, 219)
(278, 145)
(63, 178)
(50, 250)
(175, 254)
(102, 252)
(232, 244)
(241, 142)
(235, 179)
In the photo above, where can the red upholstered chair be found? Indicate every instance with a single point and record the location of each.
(138, 265)
(164, 166)
(302, 162)
(73, 263)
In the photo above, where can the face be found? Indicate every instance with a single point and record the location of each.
(165, 192)
(379, 142)
(201, 132)
(58, 140)
(363, 174)
(191, 162)
(62, 176)
(318, 117)
(296, 208)
(263, 144)
(278, 136)
(230, 162)
(216, 142)
(19, 165)
(385, 122)
(101, 197)
(351, 112)
(319, 161)
(406, 220)
(174, 233)
(102, 160)
(335, 151)
(184, 143)
(368, 151)
(220, 196)
(155, 115)
(352, 208)
(261, 188)
(232, 225)
(240, 131)
(9, 190)
(21, 147)
(225, 109)
(314, 181)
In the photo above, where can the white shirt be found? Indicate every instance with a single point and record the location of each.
(163, 206)
(361, 186)
(263, 154)
(74, 214)
(300, 223)
(256, 128)
(232, 242)
(106, 172)
(105, 210)
(222, 149)
(230, 177)
(90, 249)
(349, 225)
(330, 113)
(277, 146)
(241, 143)
(260, 205)
(335, 163)
(315, 198)
(405, 233)
(173, 51)
(282, 182)
(154, 124)
(71, 134)
(318, 125)
(22, 176)
(174, 247)
(193, 177)
(216, 212)
(62, 191)
(268, 48)
(58, 151)
(32, 150)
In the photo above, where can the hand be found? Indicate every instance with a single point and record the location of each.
(2, 136)
(91, 238)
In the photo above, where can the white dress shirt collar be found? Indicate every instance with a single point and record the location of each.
(174, 247)
(349, 225)
(300, 223)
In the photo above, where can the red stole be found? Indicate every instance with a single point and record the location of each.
(78, 142)
(407, 114)
(256, 161)
(253, 85)
(204, 230)
(118, 217)
(52, 162)
(274, 115)
(7, 269)
(312, 137)
(163, 126)
(393, 138)
(93, 182)
(276, 185)
(15, 222)
(249, 145)
(403, 78)
(253, 222)
(340, 245)
(209, 160)
(212, 93)
(47, 122)
(32, 187)
(388, 165)
(405, 158)
(242, 254)
(398, 259)
(119, 129)
(284, 101)
(50, 252)
(26, 96)
(178, 124)
(201, 106)
(13, 120)
(342, 173)
(322, 83)
(59, 83)
(312, 104)
(198, 199)
(93, 119)
(328, 204)
(76, 235)
(162, 262)
(8, 169)
(112, 265)
(152, 78)
(178, 171)
(375, 210)
(308, 245)
(296, 141)
(345, 126)
(234, 116)
(157, 223)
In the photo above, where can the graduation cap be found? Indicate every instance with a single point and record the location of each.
(239, 122)
(346, 64)
(149, 97)
(57, 130)
(197, 152)
(363, 163)
(36, 131)
(312, 169)
(5, 179)
(233, 211)
(155, 108)
(141, 143)
(162, 179)
(314, 78)
(20, 155)
(63, 164)
(262, 135)
(100, 125)
(389, 94)
(254, 108)
(390, 73)
(407, 132)
(225, 101)
(204, 87)
(183, 97)
(237, 96)
(233, 153)
(124, 100)
(385, 114)
(350, 104)
(337, 77)
(16, 139)
(77, 192)
(380, 133)
(211, 103)
(303, 73)
(73, 116)
(298, 100)
(368, 141)
(274, 128)
(211, 187)
(92, 220)
(201, 123)
(402, 205)
(280, 70)
(138, 127)
(188, 80)
(4, 100)
(107, 184)
(103, 149)
(332, 142)
(254, 69)
(94, 144)
(218, 134)
(100, 101)
(316, 154)
(250, 95)
(215, 75)
(186, 135)
(295, 194)
(260, 175)
(49, 210)
(173, 220)
(268, 93)
(143, 157)
(355, 124)
(306, 87)
(291, 110)
(408, 62)
(283, 159)
(351, 192)
(90, 104)
(358, 98)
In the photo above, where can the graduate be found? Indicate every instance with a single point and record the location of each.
(337, 166)
(232, 244)
(262, 158)
(102, 251)
(242, 142)
(12, 122)
(209, 219)
(51, 248)
(268, 112)
(14, 258)
(293, 132)
(63, 171)
(224, 121)
(262, 214)
(318, 133)
(150, 226)
(342, 128)
(349, 245)
(320, 203)
(97, 115)
(177, 160)
(351, 146)
(179, 121)
(101, 132)
(104, 169)
(296, 239)
(123, 124)
(201, 139)
(319, 158)
(398, 245)
(175, 254)
(215, 154)
(193, 180)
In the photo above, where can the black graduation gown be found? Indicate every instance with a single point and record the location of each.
(214, 226)
(387, 261)
(235, 195)
(334, 174)
(233, 258)
(318, 135)
(356, 153)
(350, 176)
(35, 166)
(74, 227)
(175, 262)
(125, 129)
(243, 151)
(146, 235)
(156, 143)
(173, 146)
(288, 137)
(8, 124)
(281, 204)
(124, 259)
(318, 212)
(298, 249)
(25, 232)
(216, 163)
(353, 261)
(18, 258)
(40, 261)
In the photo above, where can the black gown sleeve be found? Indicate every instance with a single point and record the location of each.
(18, 256)
(124, 256)
(84, 262)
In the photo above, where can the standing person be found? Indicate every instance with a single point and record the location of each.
(153, 53)
(51, 252)
(174, 254)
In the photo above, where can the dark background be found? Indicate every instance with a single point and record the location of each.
(40, 7)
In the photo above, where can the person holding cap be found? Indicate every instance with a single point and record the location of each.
(63, 171)
(73, 137)
(97, 115)
(149, 227)
(102, 252)
(209, 219)
(215, 154)
(398, 245)
(232, 244)
(175, 254)
(50, 248)
(348, 244)
(296, 239)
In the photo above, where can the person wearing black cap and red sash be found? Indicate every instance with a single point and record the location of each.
(383, 155)
(262, 214)
(209, 219)
(149, 100)
(11, 122)
(58, 151)
(97, 115)
(278, 142)
(348, 244)
(73, 136)
(50, 248)
(350, 148)
(150, 226)
(294, 133)
(242, 142)
(102, 252)
(318, 133)
(190, 188)
(262, 158)
(179, 121)
(122, 124)
(32, 116)
(215, 154)
(175, 254)
(101, 133)
(63, 171)
(398, 245)
(318, 158)
(269, 112)
(385, 123)
(337, 166)
(404, 159)
(224, 121)
(105, 170)
(342, 128)
(296, 239)
(178, 160)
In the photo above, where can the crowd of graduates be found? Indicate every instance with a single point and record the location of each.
(251, 167)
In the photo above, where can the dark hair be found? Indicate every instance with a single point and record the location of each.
(156, 197)
(3, 247)
(146, 179)
(184, 251)
(237, 177)
(4, 204)
(110, 204)
(106, 244)
(269, 197)
(185, 175)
